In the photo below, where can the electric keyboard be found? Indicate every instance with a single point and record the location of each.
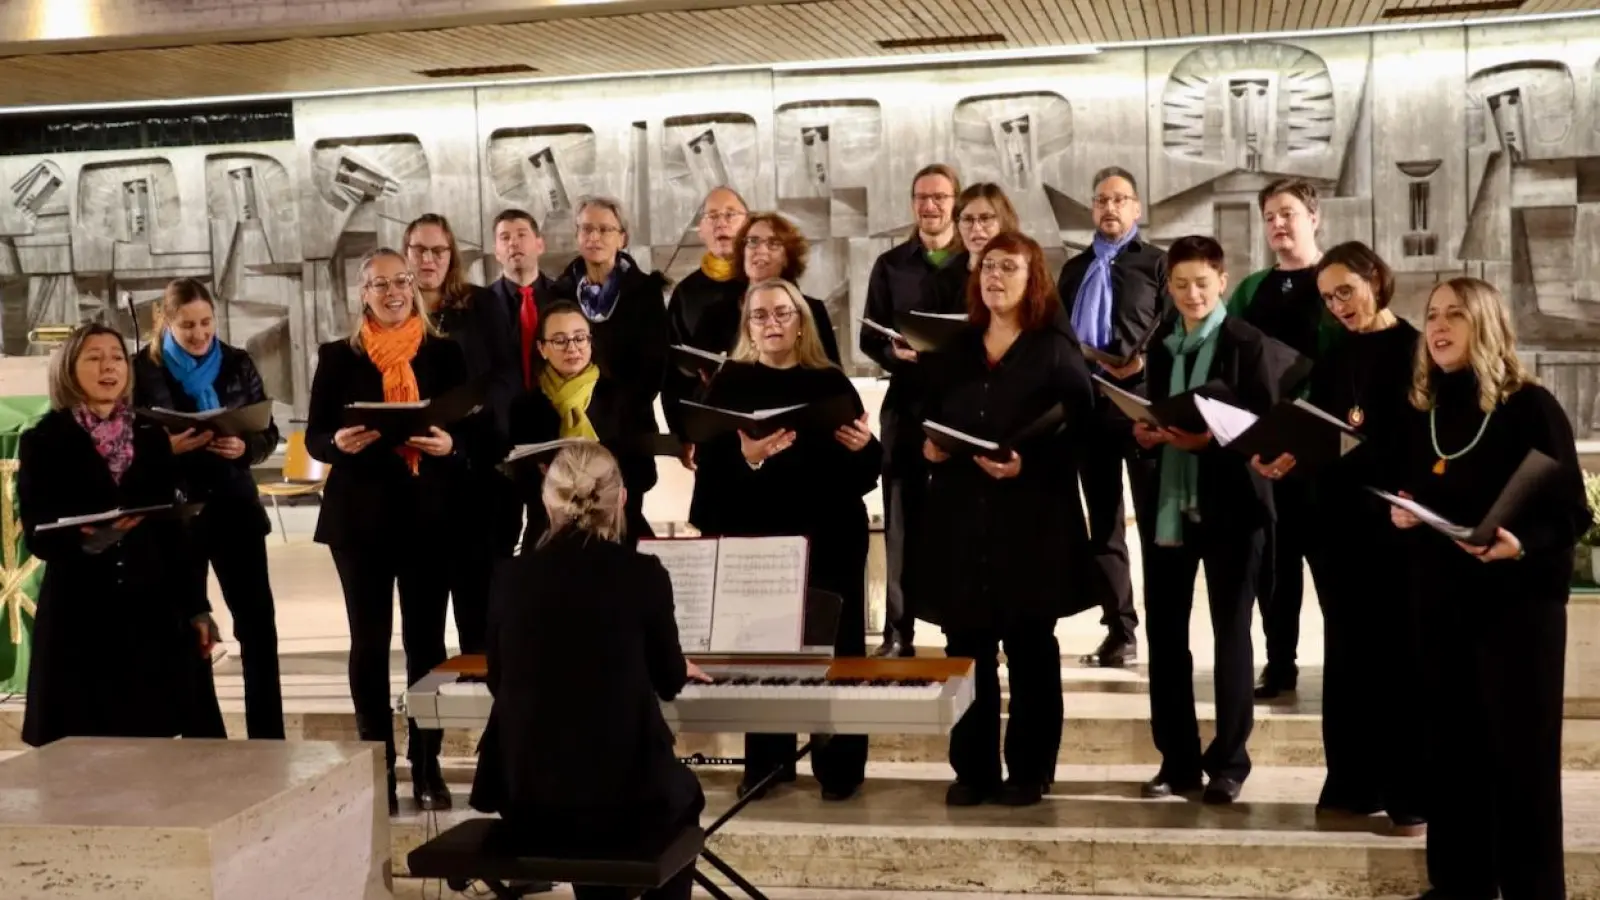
(780, 694)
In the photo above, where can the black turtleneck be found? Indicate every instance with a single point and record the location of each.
(1548, 527)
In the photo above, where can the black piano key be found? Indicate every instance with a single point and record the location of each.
(812, 682)
(848, 682)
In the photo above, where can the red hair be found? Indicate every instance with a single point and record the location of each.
(1039, 298)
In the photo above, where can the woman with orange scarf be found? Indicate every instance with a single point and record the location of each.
(382, 493)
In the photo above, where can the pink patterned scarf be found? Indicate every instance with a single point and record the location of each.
(112, 436)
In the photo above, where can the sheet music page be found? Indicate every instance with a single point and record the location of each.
(1227, 421)
(692, 566)
(761, 591)
(1427, 516)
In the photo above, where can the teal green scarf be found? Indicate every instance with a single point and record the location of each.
(1180, 471)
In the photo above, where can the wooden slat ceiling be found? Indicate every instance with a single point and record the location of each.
(738, 35)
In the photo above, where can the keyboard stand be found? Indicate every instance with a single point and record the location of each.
(711, 858)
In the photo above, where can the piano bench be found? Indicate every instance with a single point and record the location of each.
(481, 850)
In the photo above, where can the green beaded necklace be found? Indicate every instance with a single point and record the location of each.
(1433, 434)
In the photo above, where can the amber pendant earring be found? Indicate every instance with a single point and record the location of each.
(1355, 417)
(1438, 467)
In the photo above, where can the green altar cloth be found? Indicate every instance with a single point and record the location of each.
(20, 573)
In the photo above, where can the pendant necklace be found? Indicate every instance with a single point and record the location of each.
(1433, 434)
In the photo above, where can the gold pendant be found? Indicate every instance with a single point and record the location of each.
(1438, 467)
(1356, 417)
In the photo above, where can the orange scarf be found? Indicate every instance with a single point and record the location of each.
(391, 350)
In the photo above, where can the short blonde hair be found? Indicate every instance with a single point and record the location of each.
(65, 391)
(808, 346)
(1492, 355)
(429, 326)
(583, 491)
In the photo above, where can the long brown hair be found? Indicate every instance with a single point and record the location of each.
(180, 292)
(1039, 299)
(456, 291)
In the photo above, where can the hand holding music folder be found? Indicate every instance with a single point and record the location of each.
(1526, 482)
(236, 422)
(1178, 411)
(100, 531)
(924, 331)
(959, 443)
(696, 363)
(703, 423)
(1108, 361)
(1295, 427)
(399, 421)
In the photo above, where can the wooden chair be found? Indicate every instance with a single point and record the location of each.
(302, 476)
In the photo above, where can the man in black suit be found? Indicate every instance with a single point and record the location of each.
(1115, 293)
(521, 286)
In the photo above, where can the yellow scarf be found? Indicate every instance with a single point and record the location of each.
(717, 268)
(570, 397)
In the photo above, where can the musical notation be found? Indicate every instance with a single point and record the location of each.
(692, 567)
(760, 592)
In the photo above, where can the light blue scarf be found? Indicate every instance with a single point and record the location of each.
(1180, 470)
(1091, 310)
(197, 375)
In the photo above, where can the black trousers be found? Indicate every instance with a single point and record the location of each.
(468, 567)
(1372, 678)
(1495, 670)
(1105, 449)
(1232, 561)
(368, 576)
(1033, 733)
(905, 500)
(1283, 594)
(237, 551)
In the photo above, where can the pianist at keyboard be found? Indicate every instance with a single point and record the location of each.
(582, 642)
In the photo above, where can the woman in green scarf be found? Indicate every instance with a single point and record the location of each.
(1212, 508)
(572, 399)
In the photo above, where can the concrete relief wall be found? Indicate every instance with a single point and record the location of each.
(1452, 151)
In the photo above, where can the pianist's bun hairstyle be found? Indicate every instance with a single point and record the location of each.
(583, 493)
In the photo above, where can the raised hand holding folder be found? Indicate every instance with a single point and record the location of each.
(236, 422)
(1310, 435)
(1530, 477)
(398, 421)
(702, 422)
(1108, 361)
(696, 363)
(959, 443)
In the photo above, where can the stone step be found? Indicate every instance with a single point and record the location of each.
(1093, 836)
(417, 889)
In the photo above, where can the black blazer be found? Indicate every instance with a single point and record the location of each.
(1234, 500)
(582, 646)
(481, 327)
(225, 485)
(1138, 290)
(509, 296)
(122, 614)
(372, 495)
(995, 551)
(621, 425)
(631, 345)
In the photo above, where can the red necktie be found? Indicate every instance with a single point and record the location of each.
(530, 328)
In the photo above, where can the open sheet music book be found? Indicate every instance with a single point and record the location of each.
(694, 362)
(925, 331)
(1118, 362)
(398, 421)
(960, 443)
(702, 423)
(1293, 426)
(102, 535)
(736, 594)
(1526, 482)
(242, 420)
(1178, 411)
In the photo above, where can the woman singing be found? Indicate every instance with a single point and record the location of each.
(1211, 509)
(133, 616)
(382, 493)
(1494, 619)
(807, 483)
(189, 369)
(1370, 734)
(575, 399)
(581, 610)
(1000, 544)
(982, 211)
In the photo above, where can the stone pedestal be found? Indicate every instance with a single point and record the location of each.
(186, 820)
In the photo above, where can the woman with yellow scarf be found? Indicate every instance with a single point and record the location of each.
(574, 400)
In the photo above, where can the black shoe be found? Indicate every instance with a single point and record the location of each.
(1162, 786)
(1114, 652)
(1016, 793)
(895, 647)
(1407, 825)
(428, 787)
(1275, 683)
(1331, 802)
(839, 794)
(961, 793)
(1221, 791)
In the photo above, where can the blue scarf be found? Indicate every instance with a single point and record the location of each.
(1180, 470)
(1091, 311)
(599, 301)
(197, 375)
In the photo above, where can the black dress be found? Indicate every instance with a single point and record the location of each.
(116, 621)
(1371, 712)
(1494, 642)
(623, 427)
(230, 535)
(813, 489)
(1002, 559)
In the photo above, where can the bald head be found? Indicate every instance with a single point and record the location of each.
(720, 220)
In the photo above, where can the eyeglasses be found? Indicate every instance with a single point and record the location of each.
(604, 230)
(984, 219)
(940, 199)
(563, 341)
(783, 315)
(1113, 201)
(1344, 293)
(422, 252)
(757, 243)
(1003, 266)
(720, 217)
(384, 285)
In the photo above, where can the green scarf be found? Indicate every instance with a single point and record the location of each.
(1180, 471)
(570, 397)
